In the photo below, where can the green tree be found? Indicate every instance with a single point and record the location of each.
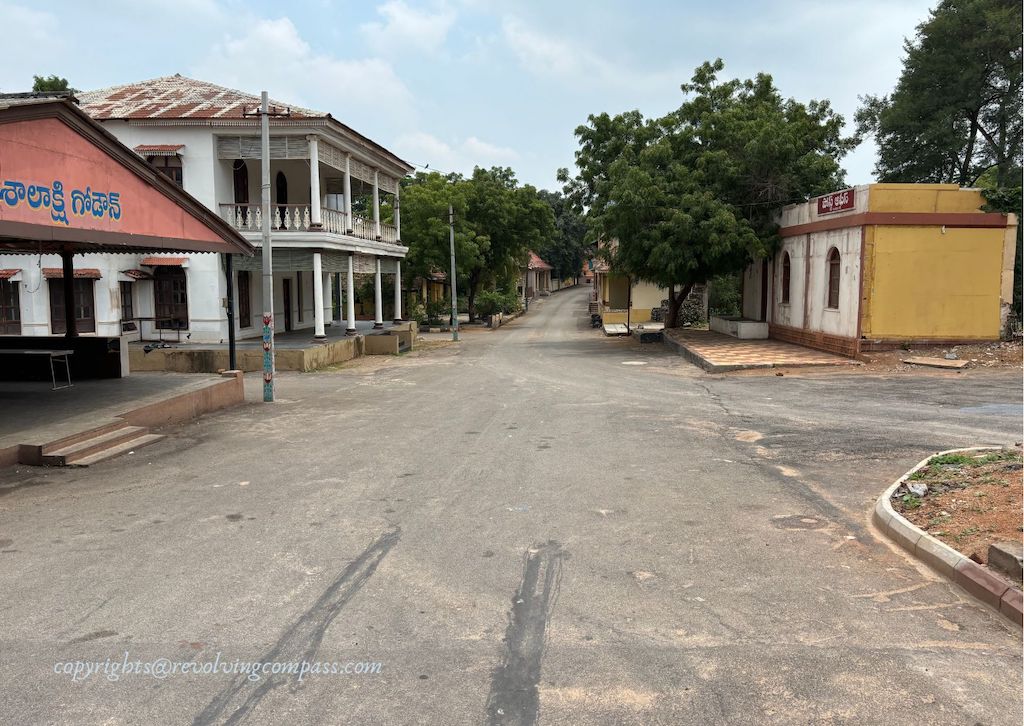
(513, 219)
(43, 84)
(695, 194)
(564, 251)
(425, 200)
(956, 110)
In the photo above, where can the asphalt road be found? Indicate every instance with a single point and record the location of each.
(539, 525)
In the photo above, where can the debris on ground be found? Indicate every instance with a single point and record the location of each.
(1002, 354)
(968, 500)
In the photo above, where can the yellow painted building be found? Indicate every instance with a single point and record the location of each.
(880, 265)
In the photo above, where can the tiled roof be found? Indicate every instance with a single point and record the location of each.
(57, 273)
(158, 149)
(163, 261)
(536, 263)
(137, 274)
(177, 97)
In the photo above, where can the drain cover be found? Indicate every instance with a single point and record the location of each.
(798, 521)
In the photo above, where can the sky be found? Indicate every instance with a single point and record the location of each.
(458, 83)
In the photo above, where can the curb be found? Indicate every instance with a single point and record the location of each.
(963, 571)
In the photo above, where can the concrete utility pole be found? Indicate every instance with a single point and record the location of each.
(268, 262)
(268, 267)
(455, 295)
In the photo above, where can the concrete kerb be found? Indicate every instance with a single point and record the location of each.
(965, 572)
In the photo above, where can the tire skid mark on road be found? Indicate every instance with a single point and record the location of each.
(514, 699)
(302, 639)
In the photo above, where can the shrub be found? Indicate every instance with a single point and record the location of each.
(490, 302)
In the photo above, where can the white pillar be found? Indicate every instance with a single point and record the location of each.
(398, 214)
(376, 207)
(314, 181)
(318, 297)
(350, 299)
(398, 291)
(378, 302)
(348, 201)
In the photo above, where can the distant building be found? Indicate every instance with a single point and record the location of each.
(881, 265)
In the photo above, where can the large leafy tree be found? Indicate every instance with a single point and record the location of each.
(513, 218)
(956, 110)
(425, 200)
(564, 251)
(696, 193)
(496, 222)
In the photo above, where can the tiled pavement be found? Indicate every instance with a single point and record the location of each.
(718, 353)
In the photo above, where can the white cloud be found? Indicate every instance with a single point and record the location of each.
(406, 27)
(31, 41)
(271, 55)
(422, 148)
(549, 56)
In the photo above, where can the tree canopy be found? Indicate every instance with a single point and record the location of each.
(696, 193)
(43, 84)
(496, 222)
(564, 251)
(956, 110)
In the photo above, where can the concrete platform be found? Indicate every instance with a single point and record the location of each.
(296, 350)
(719, 353)
(35, 417)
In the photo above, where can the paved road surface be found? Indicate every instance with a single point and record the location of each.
(528, 528)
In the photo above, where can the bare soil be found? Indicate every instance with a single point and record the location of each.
(974, 499)
(1008, 354)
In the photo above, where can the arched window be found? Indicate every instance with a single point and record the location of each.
(785, 278)
(834, 268)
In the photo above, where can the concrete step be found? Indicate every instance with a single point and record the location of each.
(98, 441)
(116, 449)
(81, 436)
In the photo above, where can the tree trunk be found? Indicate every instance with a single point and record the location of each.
(474, 282)
(965, 167)
(675, 303)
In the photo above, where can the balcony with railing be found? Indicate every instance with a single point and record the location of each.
(297, 218)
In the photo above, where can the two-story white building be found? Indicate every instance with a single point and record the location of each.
(328, 183)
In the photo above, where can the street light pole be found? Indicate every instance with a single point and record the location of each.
(455, 296)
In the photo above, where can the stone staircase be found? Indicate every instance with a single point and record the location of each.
(89, 447)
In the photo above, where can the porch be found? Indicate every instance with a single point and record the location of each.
(315, 187)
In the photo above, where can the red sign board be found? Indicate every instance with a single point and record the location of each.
(836, 202)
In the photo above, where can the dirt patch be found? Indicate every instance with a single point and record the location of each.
(973, 499)
(983, 355)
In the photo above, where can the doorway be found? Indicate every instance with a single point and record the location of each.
(281, 183)
(286, 292)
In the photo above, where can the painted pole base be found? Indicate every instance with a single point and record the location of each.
(378, 326)
(350, 331)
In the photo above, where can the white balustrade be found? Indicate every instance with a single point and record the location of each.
(297, 218)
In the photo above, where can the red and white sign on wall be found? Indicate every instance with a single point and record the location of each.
(836, 202)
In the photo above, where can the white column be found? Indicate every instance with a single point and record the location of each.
(398, 214)
(350, 300)
(314, 181)
(378, 302)
(318, 297)
(376, 206)
(398, 291)
(348, 202)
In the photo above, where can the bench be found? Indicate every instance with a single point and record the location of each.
(60, 356)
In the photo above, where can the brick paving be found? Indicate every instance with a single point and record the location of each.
(718, 353)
